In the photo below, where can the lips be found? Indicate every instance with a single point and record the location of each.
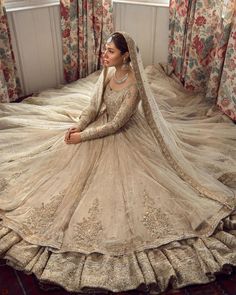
(105, 62)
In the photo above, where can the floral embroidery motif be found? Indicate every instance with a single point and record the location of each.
(40, 219)
(88, 232)
(152, 115)
(113, 100)
(228, 179)
(3, 184)
(17, 174)
(154, 219)
(121, 105)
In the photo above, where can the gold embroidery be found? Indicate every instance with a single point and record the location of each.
(17, 174)
(228, 179)
(121, 106)
(154, 219)
(3, 184)
(40, 219)
(88, 232)
(149, 104)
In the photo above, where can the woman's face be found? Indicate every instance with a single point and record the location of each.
(112, 55)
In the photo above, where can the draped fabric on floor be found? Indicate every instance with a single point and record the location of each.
(9, 82)
(121, 180)
(202, 49)
(16, 283)
(86, 25)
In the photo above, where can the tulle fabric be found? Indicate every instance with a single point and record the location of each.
(116, 213)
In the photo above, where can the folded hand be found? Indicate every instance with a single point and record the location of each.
(72, 136)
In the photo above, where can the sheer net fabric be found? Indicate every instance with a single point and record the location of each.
(147, 198)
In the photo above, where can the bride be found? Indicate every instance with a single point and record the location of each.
(140, 193)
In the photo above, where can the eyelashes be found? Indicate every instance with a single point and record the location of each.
(110, 51)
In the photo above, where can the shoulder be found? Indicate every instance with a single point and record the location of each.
(132, 82)
(132, 88)
(133, 85)
(132, 79)
(131, 92)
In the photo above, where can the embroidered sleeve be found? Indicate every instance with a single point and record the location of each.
(127, 109)
(89, 114)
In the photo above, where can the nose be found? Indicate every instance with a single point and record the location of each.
(105, 53)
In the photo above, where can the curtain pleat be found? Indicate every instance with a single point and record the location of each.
(9, 82)
(86, 24)
(202, 50)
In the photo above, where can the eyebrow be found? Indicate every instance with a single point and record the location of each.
(108, 47)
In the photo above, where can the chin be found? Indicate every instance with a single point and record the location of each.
(108, 65)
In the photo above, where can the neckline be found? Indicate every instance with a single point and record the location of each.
(127, 87)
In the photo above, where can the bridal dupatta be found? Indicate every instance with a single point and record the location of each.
(140, 208)
(204, 184)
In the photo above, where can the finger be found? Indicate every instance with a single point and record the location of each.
(69, 134)
(71, 140)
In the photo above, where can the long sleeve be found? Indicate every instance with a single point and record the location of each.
(89, 114)
(126, 110)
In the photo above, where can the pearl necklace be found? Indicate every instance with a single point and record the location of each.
(122, 80)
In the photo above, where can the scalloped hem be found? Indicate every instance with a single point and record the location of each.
(56, 245)
(177, 264)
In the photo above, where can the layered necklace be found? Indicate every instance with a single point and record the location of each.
(122, 80)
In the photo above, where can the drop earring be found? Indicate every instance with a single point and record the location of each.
(125, 65)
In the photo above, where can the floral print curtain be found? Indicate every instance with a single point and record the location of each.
(227, 90)
(86, 25)
(9, 82)
(202, 49)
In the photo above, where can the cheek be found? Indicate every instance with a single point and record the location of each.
(116, 58)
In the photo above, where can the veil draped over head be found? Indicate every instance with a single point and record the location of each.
(172, 219)
(167, 139)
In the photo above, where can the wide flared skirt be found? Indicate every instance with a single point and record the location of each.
(110, 213)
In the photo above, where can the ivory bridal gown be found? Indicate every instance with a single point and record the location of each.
(147, 199)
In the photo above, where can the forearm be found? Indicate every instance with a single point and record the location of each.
(88, 115)
(123, 115)
(98, 132)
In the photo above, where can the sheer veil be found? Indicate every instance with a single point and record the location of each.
(187, 175)
(156, 182)
(202, 182)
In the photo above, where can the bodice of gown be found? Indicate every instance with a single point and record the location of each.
(119, 107)
(113, 100)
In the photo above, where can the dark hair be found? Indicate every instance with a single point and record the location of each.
(120, 43)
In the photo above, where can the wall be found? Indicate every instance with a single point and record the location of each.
(36, 39)
(148, 25)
